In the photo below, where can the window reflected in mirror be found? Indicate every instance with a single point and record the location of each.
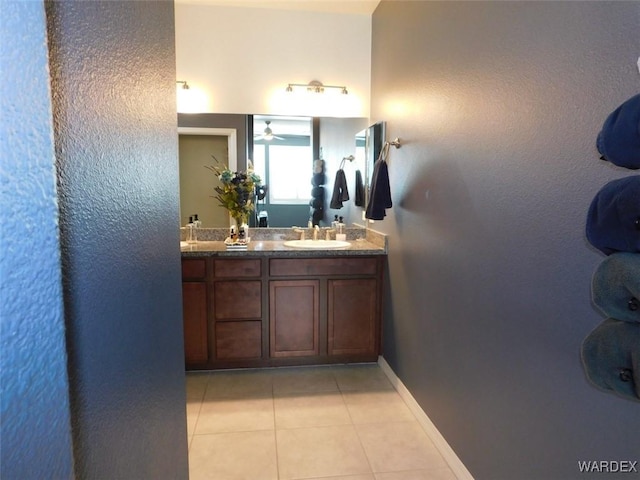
(283, 157)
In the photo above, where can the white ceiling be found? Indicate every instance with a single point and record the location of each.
(354, 7)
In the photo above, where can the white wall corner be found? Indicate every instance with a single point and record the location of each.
(456, 465)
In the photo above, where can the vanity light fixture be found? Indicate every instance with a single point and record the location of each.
(315, 86)
(185, 85)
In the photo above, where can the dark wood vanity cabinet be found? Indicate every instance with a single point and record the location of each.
(237, 308)
(194, 311)
(266, 311)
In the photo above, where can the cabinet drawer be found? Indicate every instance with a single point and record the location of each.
(238, 340)
(194, 268)
(279, 267)
(237, 299)
(236, 268)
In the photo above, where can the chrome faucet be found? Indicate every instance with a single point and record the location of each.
(329, 231)
(299, 230)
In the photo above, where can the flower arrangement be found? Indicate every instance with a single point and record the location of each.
(237, 191)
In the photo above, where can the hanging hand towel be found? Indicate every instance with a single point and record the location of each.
(380, 192)
(340, 192)
(359, 190)
(613, 221)
(615, 287)
(611, 357)
(619, 140)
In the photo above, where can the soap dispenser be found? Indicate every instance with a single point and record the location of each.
(191, 235)
(340, 230)
(197, 224)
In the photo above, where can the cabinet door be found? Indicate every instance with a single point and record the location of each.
(352, 316)
(194, 317)
(293, 317)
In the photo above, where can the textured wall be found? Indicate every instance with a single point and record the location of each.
(36, 430)
(113, 82)
(499, 105)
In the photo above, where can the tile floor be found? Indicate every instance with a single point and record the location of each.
(341, 422)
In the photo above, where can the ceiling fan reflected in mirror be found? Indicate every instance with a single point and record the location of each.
(267, 134)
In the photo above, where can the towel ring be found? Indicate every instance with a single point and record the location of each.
(395, 142)
(351, 158)
(384, 153)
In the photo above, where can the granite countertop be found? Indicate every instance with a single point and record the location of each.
(277, 248)
(271, 243)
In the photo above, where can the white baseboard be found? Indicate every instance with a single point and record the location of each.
(458, 468)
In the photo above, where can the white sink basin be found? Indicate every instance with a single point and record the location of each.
(316, 244)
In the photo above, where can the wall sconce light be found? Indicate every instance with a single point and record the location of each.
(185, 85)
(315, 86)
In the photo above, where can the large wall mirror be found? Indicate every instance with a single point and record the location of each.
(285, 161)
(199, 147)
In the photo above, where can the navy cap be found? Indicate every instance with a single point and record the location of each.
(615, 287)
(613, 221)
(619, 140)
(611, 357)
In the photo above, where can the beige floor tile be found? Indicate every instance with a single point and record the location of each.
(432, 474)
(320, 452)
(394, 447)
(235, 415)
(310, 410)
(239, 384)
(305, 379)
(193, 410)
(366, 476)
(196, 384)
(377, 407)
(361, 377)
(233, 456)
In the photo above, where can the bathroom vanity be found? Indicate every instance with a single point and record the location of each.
(272, 305)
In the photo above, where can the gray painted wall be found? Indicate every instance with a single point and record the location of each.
(113, 83)
(499, 105)
(36, 428)
(221, 120)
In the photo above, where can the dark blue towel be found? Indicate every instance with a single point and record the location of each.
(611, 357)
(613, 221)
(615, 287)
(380, 198)
(619, 139)
(359, 190)
(340, 192)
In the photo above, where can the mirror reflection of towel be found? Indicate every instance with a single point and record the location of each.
(340, 192)
(380, 192)
(359, 190)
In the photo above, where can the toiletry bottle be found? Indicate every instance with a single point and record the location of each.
(232, 233)
(340, 230)
(196, 226)
(190, 231)
(242, 235)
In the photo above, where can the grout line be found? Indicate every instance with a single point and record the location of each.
(455, 464)
(275, 431)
